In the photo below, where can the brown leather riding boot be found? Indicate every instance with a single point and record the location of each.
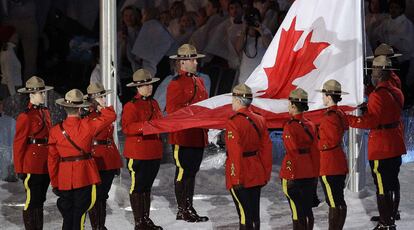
(337, 217)
(299, 224)
(38, 218)
(29, 219)
(94, 216)
(147, 206)
(137, 205)
(189, 194)
(102, 215)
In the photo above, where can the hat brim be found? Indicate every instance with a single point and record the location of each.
(287, 99)
(176, 57)
(370, 58)
(390, 69)
(133, 84)
(98, 94)
(335, 93)
(231, 95)
(62, 102)
(24, 90)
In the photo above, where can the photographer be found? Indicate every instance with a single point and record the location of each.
(252, 43)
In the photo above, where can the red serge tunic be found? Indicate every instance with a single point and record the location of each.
(184, 90)
(302, 155)
(33, 124)
(70, 175)
(135, 114)
(249, 159)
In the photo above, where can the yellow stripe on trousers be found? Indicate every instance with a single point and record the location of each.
(328, 192)
(379, 178)
(130, 163)
(93, 199)
(242, 215)
(292, 204)
(28, 195)
(177, 163)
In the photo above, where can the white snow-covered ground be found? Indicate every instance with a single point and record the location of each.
(212, 200)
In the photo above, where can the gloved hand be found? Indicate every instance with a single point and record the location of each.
(21, 176)
(56, 191)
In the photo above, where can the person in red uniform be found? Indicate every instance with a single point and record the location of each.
(333, 163)
(188, 145)
(106, 155)
(385, 140)
(72, 169)
(30, 151)
(249, 157)
(300, 166)
(143, 153)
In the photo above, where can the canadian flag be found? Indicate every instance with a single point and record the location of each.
(318, 40)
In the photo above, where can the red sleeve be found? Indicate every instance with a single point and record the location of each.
(371, 118)
(20, 141)
(266, 153)
(97, 124)
(175, 97)
(330, 131)
(53, 161)
(234, 152)
(130, 121)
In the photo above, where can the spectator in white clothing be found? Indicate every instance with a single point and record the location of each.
(11, 75)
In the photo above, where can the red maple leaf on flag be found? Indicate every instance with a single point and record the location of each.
(291, 64)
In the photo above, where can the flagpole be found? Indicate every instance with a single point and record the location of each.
(356, 148)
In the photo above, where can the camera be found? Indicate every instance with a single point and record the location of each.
(252, 17)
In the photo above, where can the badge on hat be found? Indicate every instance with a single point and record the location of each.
(142, 77)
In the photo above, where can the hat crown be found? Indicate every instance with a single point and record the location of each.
(35, 82)
(332, 85)
(382, 61)
(74, 95)
(141, 75)
(384, 49)
(298, 94)
(95, 87)
(242, 89)
(187, 50)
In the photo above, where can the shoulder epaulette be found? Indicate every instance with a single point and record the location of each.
(133, 100)
(175, 77)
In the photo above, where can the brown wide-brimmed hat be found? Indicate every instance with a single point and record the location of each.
(187, 51)
(74, 99)
(33, 85)
(299, 95)
(142, 77)
(382, 62)
(386, 50)
(242, 90)
(332, 87)
(96, 89)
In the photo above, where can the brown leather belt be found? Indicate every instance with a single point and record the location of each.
(102, 142)
(76, 158)
(389, 126)
(40, 141)
(249, 154)
(304, 151)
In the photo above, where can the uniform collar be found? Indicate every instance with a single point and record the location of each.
(71, 120)
(384, 84)
(140, 97)
(333, 107)
(297, 117)
(186, 74)
(39, 106)
(243, 110)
